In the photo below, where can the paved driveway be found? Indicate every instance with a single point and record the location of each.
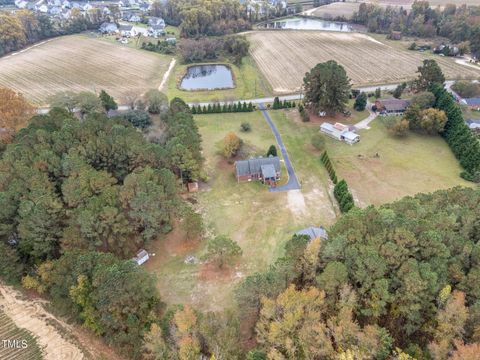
(292, 183)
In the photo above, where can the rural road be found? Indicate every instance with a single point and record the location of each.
(292, 183)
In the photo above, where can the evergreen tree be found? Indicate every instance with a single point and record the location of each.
(108, 102)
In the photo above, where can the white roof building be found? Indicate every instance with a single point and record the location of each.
(340, 132)
(141, 257)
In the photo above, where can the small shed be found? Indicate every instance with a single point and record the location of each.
(192, 187)
(314, 232)
(141, 257)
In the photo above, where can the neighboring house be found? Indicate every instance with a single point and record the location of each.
(106, 11)
(392, 106)
(141, 257)
(171, 40)
(66, 4)
(21, 4)
(108, 28)
(314, 232)
(474, 125)
(134, 18)
(156, 21)
(156, 30)
(472, 103)
(43, 8)
(126, 30)
(56, 10)
(266, 170)
(340, 132)
(87, 7)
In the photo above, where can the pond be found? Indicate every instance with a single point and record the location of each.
(299, 23)
(207, 77)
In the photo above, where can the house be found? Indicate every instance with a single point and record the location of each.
(341, 132)
(156, 30)
(396, 35)
(126, 30)
(314, 232)
(156, 21)
(474, 125)
(266, 170)
(21, 4)
(87, 7)
(141, 257)
(134, 18)
(392, 106)
(108, 28)
(171, 40)
(473, 103)
(56, 10)
(66, 4)
(43, 8)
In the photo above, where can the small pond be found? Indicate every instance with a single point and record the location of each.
(299, 23)
(207, 77)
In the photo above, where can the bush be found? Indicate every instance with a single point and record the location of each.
(138, 118)
(318, 141)
(245, 127)
(272, 150)
(360, 102)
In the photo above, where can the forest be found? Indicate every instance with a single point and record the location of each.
(457, 23)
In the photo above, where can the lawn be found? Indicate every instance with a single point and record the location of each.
(249, 84)
(261, 222)
(382, 168)
(81, 63)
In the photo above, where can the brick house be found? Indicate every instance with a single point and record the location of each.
(266, 170)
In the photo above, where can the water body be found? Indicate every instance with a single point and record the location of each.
(299, 23)
(207, 77)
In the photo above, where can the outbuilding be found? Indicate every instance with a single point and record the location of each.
(141, 257)
(314, 232)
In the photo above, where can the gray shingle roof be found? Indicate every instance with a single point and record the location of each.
(254, 166)
(268, 171)
(395, 104)
(314, 232)
(473, 101)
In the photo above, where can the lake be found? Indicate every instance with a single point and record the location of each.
(298, 23)
(207, 77)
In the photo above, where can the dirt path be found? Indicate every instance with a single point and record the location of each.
(167, 74)
(30, 315)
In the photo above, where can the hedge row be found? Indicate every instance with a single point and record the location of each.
(225, 108)
(277, 104)
(328, 165)
(341, 192)
(343, 196)
(457, 134)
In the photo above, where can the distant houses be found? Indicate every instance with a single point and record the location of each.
(340, 132)
(474, 125)
(472, 103)
(108, 28)
(392, 106)
(266, 170)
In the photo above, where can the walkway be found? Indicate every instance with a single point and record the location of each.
(292, 183)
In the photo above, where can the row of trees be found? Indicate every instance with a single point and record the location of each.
(225, 108)
(457, 134)
(285, 104)
(325, 159)
(233, 47)
(343, 196)
(24, 27)
(457, 23)
(381, 287)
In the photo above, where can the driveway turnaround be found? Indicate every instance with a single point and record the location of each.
(292, 183)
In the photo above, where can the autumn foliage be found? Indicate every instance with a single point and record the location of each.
(15, 111)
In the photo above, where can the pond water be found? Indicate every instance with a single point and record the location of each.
(207, 77)
(299, 23)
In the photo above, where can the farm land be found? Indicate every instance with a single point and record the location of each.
(79, 63)
(285, 56)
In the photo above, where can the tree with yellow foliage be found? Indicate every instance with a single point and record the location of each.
(15, 111)
(186, 336)
(231, 145)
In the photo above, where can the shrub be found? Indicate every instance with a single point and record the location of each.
(245, 127)
(272, 150)
(138, 118)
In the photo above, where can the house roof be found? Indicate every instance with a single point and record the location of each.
(314, 232)
(254, 166)
(473, 101)
(125, 27)
(327, 126)
(394, 104)
(268, 171)
(350, 135)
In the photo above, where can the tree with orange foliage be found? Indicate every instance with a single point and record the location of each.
(15, 111)
(231, 145)
(185, 322)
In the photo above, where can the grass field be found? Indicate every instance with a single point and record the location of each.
(80, 63)
(8, 331)
(408, 3)
(404, 166)
(335, 10)
(285, 56)
(249, 84)
(260, 221)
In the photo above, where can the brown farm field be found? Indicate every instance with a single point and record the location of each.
(79, 63)
(285, 56)
(408, 3)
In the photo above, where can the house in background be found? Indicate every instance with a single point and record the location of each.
(341, 132)
(141, 257)
(472, 103)
(108, 28)
(266, 170)
(314, 232)
(473, 125)
(126, 30)
(392, 106)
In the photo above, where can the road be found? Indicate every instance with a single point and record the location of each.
(292, 183)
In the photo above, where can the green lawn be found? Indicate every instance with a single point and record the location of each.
(261, 222)
(249, 84)
(383, 168)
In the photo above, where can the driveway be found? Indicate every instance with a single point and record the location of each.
(292, 183)
(365, 122)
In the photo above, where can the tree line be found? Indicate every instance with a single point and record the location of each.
(225, 108)
(457, 23)
(232, 47)
(24, 27)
